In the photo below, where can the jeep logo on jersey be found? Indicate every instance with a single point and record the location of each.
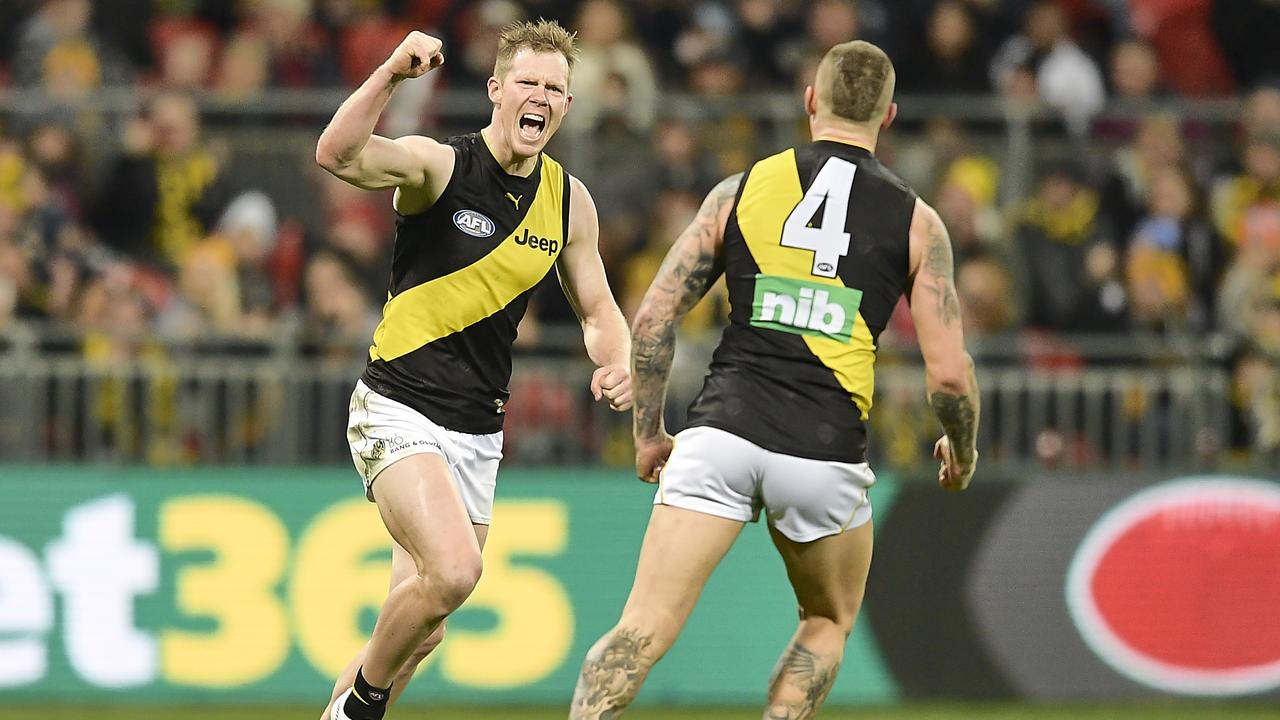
(546, 245)
(473, 223)
(1177, 588)
(805, 308)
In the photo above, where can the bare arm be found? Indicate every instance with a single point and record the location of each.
(349, 149)
(604, 331)
(690, 268)
(952, 387)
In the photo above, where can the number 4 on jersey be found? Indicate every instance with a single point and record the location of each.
(829, 192)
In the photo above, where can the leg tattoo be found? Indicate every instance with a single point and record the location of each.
(800, 683)
(611, 675)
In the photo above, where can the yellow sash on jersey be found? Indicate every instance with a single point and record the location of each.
(443, 306)
(771, 193)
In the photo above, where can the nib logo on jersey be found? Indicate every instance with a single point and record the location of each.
(805, 308)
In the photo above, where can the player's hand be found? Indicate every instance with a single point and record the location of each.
(651, 455)
(417, 54)
(952, 474)
(613, 382)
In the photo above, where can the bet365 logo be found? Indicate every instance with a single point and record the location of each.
(805, 308)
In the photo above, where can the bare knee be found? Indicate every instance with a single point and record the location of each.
(453, 582)
(652, 633)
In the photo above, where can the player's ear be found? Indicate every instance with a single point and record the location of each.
(889, 116)
(810, 100)
(568, 102)
(495, 90)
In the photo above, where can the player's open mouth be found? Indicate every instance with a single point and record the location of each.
(531, 126)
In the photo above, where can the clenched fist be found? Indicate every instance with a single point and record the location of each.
(613, 383)
(417, 54)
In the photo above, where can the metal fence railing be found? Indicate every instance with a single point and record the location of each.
(289, 409)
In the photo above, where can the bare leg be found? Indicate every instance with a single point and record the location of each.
(829, 576)
(421, 509)
(681, 548)
(420, 506)
(402, 567)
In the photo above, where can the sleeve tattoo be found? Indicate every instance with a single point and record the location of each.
(939, 266)
(689, 269)
(958, 412)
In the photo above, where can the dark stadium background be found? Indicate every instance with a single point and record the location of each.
(186, 299)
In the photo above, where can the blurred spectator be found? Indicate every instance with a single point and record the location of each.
(244, 70)
(1190, 58)
(164, 193)
(475, 41)
(249, 226)
(1135, 71)
(57, 50)
(1235, 199)
(1261, 111)
(1174, 258)
(56, 151)
(951, 60)
(681, 162)
(301, 52)
(613, 75)
(985, 289)
(1246, 31)
(731, 136)
(1249, 307)
(186, 51)
(369, 35)
(830, 23)
(1256, 386)
(764, 28)
(1157, 144)
(356, 226)
(339, 318)
(15, 278)
(1066, 78)
(1252, 283)
(672, 213)
(966, 203)
(1071, 273)
(208, 302)
(117, 317)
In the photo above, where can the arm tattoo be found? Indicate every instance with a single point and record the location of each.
(958, 414)
(939, 264)
(611, 675)
(687, 272)
(805, 678)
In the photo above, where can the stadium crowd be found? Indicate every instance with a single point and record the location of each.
(133, 232)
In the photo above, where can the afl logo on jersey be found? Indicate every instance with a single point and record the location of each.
(473, 223)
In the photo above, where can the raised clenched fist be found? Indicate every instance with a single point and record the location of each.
(417, 54)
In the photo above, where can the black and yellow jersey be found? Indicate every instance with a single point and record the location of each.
(815, 257)
(461, 276)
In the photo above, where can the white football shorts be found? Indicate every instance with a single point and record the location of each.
(718, 473)
(381, 431)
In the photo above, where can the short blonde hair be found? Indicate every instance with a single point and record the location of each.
(540, 36)
(858, 74)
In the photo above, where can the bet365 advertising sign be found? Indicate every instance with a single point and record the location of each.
(260, 585)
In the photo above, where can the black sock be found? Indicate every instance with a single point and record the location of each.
(366, 702)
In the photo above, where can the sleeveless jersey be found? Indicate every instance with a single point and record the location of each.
(815, 257)
(461, 276)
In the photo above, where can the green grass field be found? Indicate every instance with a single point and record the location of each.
(977, 711)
